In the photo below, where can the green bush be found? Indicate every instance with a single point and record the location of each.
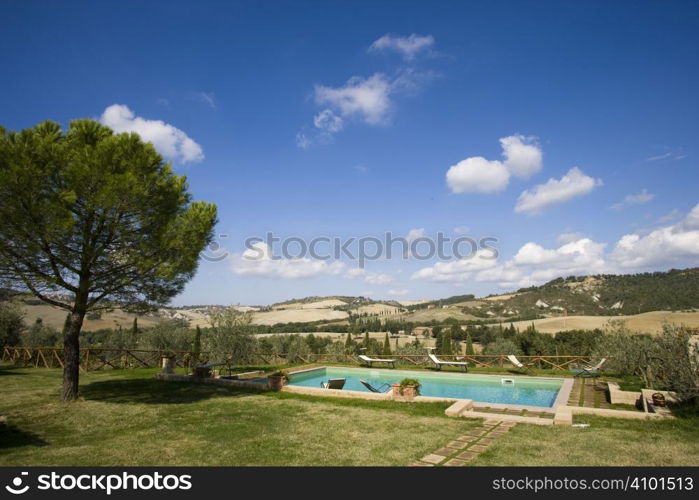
(40, 335)
(11, 323)
(502, 346)
(230, 337)
(166, 335)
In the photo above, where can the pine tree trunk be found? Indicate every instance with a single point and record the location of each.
(71, 354)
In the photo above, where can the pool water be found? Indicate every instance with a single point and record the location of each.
(481, 388)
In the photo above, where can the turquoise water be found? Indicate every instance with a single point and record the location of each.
(481, 388)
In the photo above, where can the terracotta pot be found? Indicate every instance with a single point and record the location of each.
(658, 399)
(410, 391)
(276, 382)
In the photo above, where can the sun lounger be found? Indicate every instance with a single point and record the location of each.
(518, 364)
(374, 389)
(438, 363)
(589, 370)
(333, 383)
(366, 360)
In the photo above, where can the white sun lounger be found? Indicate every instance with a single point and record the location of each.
(333, 383)
(366, 360)
(517, 363)
(438, 363)
(589, 370)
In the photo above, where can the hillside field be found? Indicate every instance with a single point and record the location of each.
(650, 322)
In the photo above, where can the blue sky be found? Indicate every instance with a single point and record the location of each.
(352, 119)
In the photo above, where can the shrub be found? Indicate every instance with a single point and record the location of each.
(629, 352)
(11, 323)
(166, 335)
(502, 346)
(230, 337)
(674, 363)
(40, 335)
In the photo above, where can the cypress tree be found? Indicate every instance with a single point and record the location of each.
(469, 346)
(386, 346)
(446, 343)
(134, 328)
(196, 345)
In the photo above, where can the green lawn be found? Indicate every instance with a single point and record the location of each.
(607, 442)
(126, 417)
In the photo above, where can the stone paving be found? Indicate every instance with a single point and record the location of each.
(591, 392)
(465, 448)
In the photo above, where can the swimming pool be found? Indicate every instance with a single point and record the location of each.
(525, 391)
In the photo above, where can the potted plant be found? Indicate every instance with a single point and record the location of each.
(277, 380)
(408, 388)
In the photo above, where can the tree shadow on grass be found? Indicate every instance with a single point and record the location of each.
(11, 370)
(151, 391)
(14, 437)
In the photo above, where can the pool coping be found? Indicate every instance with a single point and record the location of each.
(561, 398)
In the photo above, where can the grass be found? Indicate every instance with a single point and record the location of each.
(127, 418)
(607, 442)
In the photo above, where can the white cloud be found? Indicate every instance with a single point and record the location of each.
(534, 264)
(670, 216)
(522, 158)
(407, 46)
(414, 234)
(672, 154)
(371, 278)
(398, 292)
(378, 279)
(328, 121)
(462, 229)
(568, 237)
(531, 265)
(170, 141)
(476, 174)
(366, 98)
(634, 199)
(258, 261)
(207, 98)
(457, 270)
(355, 273)
(661, 246)
(523, 155)
(572, 185)
(303, 141)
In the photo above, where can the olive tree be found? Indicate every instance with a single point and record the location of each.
(93, 219)
(230, 337)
